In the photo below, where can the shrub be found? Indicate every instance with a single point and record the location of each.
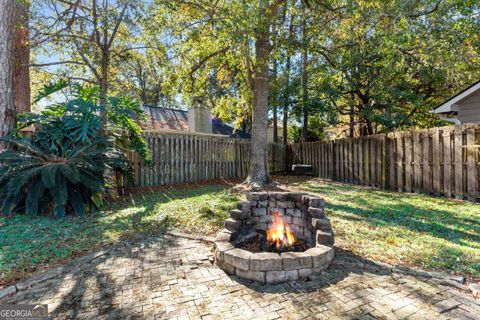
(33, 179)
(63, 167)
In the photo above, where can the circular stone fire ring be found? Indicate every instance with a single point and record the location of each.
(303, 213)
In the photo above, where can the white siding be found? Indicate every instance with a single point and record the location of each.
(469, 108)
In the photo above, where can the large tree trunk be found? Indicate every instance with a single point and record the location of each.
(21, 56)
(7, 108)
(258, 175)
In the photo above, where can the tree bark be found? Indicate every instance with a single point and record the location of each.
(21, 56)
(258, 175)
(7, 108)
(286, 93)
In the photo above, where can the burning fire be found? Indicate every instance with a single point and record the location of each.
(280, 233)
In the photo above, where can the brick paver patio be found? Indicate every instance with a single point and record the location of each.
(168, 277)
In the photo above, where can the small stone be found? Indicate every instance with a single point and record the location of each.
(308, 235)
(256, 212)
(238, 258)
(244, 205)
(223, 236)
(296, 260)
(252, 220)
(295, 196)
(272, 195)
(228, 268)
(260, 227)
(287, 219)
(274, 277)
(221, 247)
(253, 196)
(290, 204)
(253, 204)
(317, 203)
(263, 196)
(316, 212)
(232, 224)
(291, 275)
(325, 238)
(263, 261)
(272, 203)
(298, 221)
(289, 212)
(263, 204)
(321, 256)
(322, 224)
(304, 273)
(282, 204)
(301, 206)
(279, 211)
(282, 196)
(258, 276)
(265, 219)
(238, 214)
(297, 213)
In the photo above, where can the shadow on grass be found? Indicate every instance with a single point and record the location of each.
(381, 208)
(33, 243)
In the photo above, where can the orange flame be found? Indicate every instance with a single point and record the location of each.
(280, 233)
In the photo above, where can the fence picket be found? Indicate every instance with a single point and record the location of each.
(444, 161)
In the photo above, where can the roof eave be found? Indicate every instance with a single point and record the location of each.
(451, 104)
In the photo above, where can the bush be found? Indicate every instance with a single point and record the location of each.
(63, 167)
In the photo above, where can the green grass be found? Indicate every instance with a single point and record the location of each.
(29, 243)
(398, 228)
(430, 233)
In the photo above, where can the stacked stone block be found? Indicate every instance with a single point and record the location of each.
(303, 212)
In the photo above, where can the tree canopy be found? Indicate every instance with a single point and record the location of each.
(324, 68)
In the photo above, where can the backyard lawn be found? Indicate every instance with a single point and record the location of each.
(401, 229)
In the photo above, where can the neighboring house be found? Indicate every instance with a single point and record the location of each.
(279, 133)
(193, 120)
(464, 107)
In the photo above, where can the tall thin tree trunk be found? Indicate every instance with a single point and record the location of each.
(21, 56)
(258, 175)
(304, 78)
(7, 108)
(286, 98)
(286, 93)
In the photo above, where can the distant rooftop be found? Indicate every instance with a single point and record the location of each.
(177, 119)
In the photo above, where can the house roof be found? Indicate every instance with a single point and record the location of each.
(450, 106)
(177, 119)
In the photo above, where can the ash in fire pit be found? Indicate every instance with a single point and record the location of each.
(275, 237)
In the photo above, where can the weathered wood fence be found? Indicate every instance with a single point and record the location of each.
(187, 158)
(442, 161)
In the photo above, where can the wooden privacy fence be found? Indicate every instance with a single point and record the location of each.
(442, 161)
(187, 158)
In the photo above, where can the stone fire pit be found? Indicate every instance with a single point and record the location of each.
(252, 223)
